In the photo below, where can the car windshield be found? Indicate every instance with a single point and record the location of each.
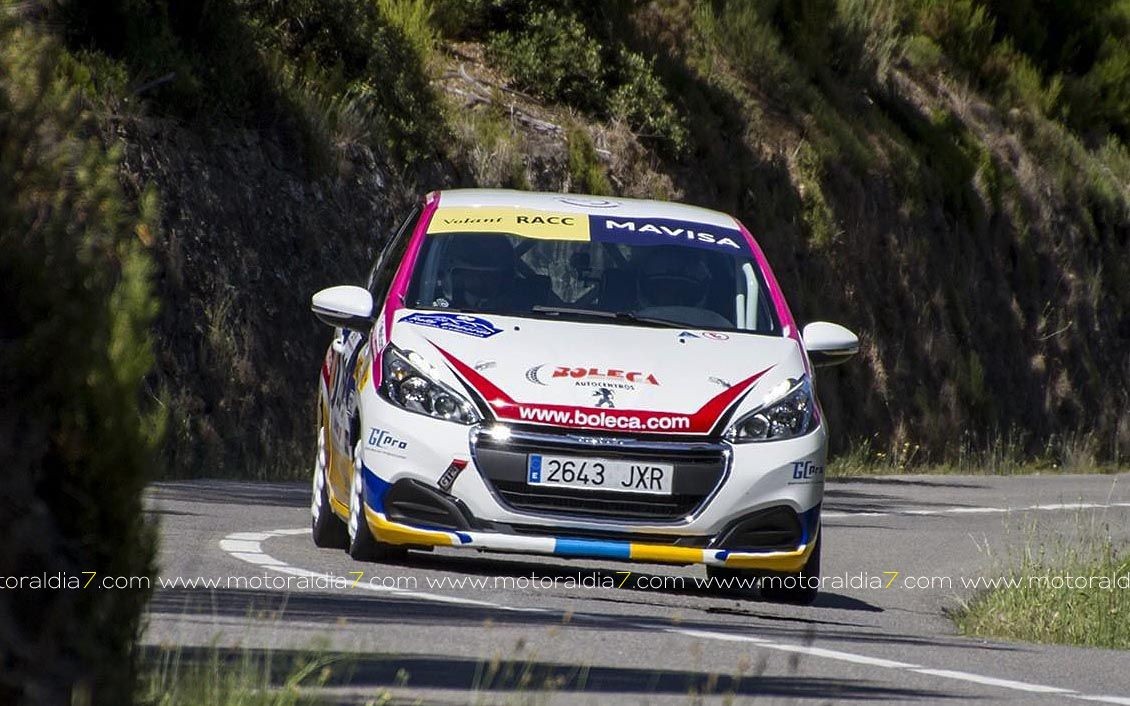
(650, 284)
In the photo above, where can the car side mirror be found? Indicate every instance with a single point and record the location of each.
(344, 306)
(829, 344)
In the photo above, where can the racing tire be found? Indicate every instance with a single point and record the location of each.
(363, 546)
(327, 528)
(796, 588)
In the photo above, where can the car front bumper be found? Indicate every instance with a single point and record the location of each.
(723, 491)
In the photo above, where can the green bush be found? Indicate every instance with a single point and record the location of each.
(964, 28)
(1026, 51)
(922, 52)
(554, 57)
(414, 19)
(586, 174)
(202, 55)
(75, 292)
(242, 60)
(459, 19)
(346, 48)
(641, 101)
(1099, 101)
(742, 33)
(871, 32)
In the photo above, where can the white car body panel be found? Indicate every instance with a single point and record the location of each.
(563, 362)
(596, 378)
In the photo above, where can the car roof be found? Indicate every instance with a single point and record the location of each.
(583, 203)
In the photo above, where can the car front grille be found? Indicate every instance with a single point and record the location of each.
(698, 470)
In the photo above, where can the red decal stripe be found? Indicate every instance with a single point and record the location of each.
(505, 407)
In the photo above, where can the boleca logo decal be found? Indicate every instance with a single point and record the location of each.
(611, 378)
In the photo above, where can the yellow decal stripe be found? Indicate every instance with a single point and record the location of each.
(340, 508)
(524, 222)
(783, 561)
(395, 533)
(664, 554)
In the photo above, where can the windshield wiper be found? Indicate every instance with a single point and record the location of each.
(617, 316)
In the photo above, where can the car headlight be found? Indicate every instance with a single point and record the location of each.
(406, 385)
(788, 412)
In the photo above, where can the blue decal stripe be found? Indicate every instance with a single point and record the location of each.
(592, 548)
(374, 489)
(809, 521)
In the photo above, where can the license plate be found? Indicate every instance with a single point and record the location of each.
(600, 474)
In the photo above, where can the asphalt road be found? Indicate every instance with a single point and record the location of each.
(406, 636)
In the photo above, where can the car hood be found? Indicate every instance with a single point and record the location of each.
(607, 376)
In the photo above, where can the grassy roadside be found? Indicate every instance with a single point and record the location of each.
(225, 678)
(1070, 595)
(840, 468)
(1004, 455)
(316, 676)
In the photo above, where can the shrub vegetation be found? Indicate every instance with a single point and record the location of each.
(74, 282)
(950, 177)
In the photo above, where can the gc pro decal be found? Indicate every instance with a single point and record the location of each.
(807, 472)
(459, 323)
(382, 442)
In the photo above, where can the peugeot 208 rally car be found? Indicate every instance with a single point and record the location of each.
(574, 376)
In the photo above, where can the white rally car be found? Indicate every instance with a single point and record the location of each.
(574, 376)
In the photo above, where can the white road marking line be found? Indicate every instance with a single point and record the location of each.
(853, 658)
(1105, 698)
(247, 546)
(972, 510)
(241, 546)
(257, 558)
(993, 681)
(248, 536)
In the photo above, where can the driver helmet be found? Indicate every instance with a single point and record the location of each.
(480, 268)
(673, 276)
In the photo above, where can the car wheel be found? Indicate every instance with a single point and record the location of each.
(796, 588)
(362, 545)
(327, 528)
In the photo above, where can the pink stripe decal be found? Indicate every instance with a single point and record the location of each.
(782, 307)
(775, 294)
(403, 276)
(700, 422)
(399, 288)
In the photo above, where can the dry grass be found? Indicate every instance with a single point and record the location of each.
(1071, 592)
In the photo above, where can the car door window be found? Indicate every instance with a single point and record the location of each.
(384, 269)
